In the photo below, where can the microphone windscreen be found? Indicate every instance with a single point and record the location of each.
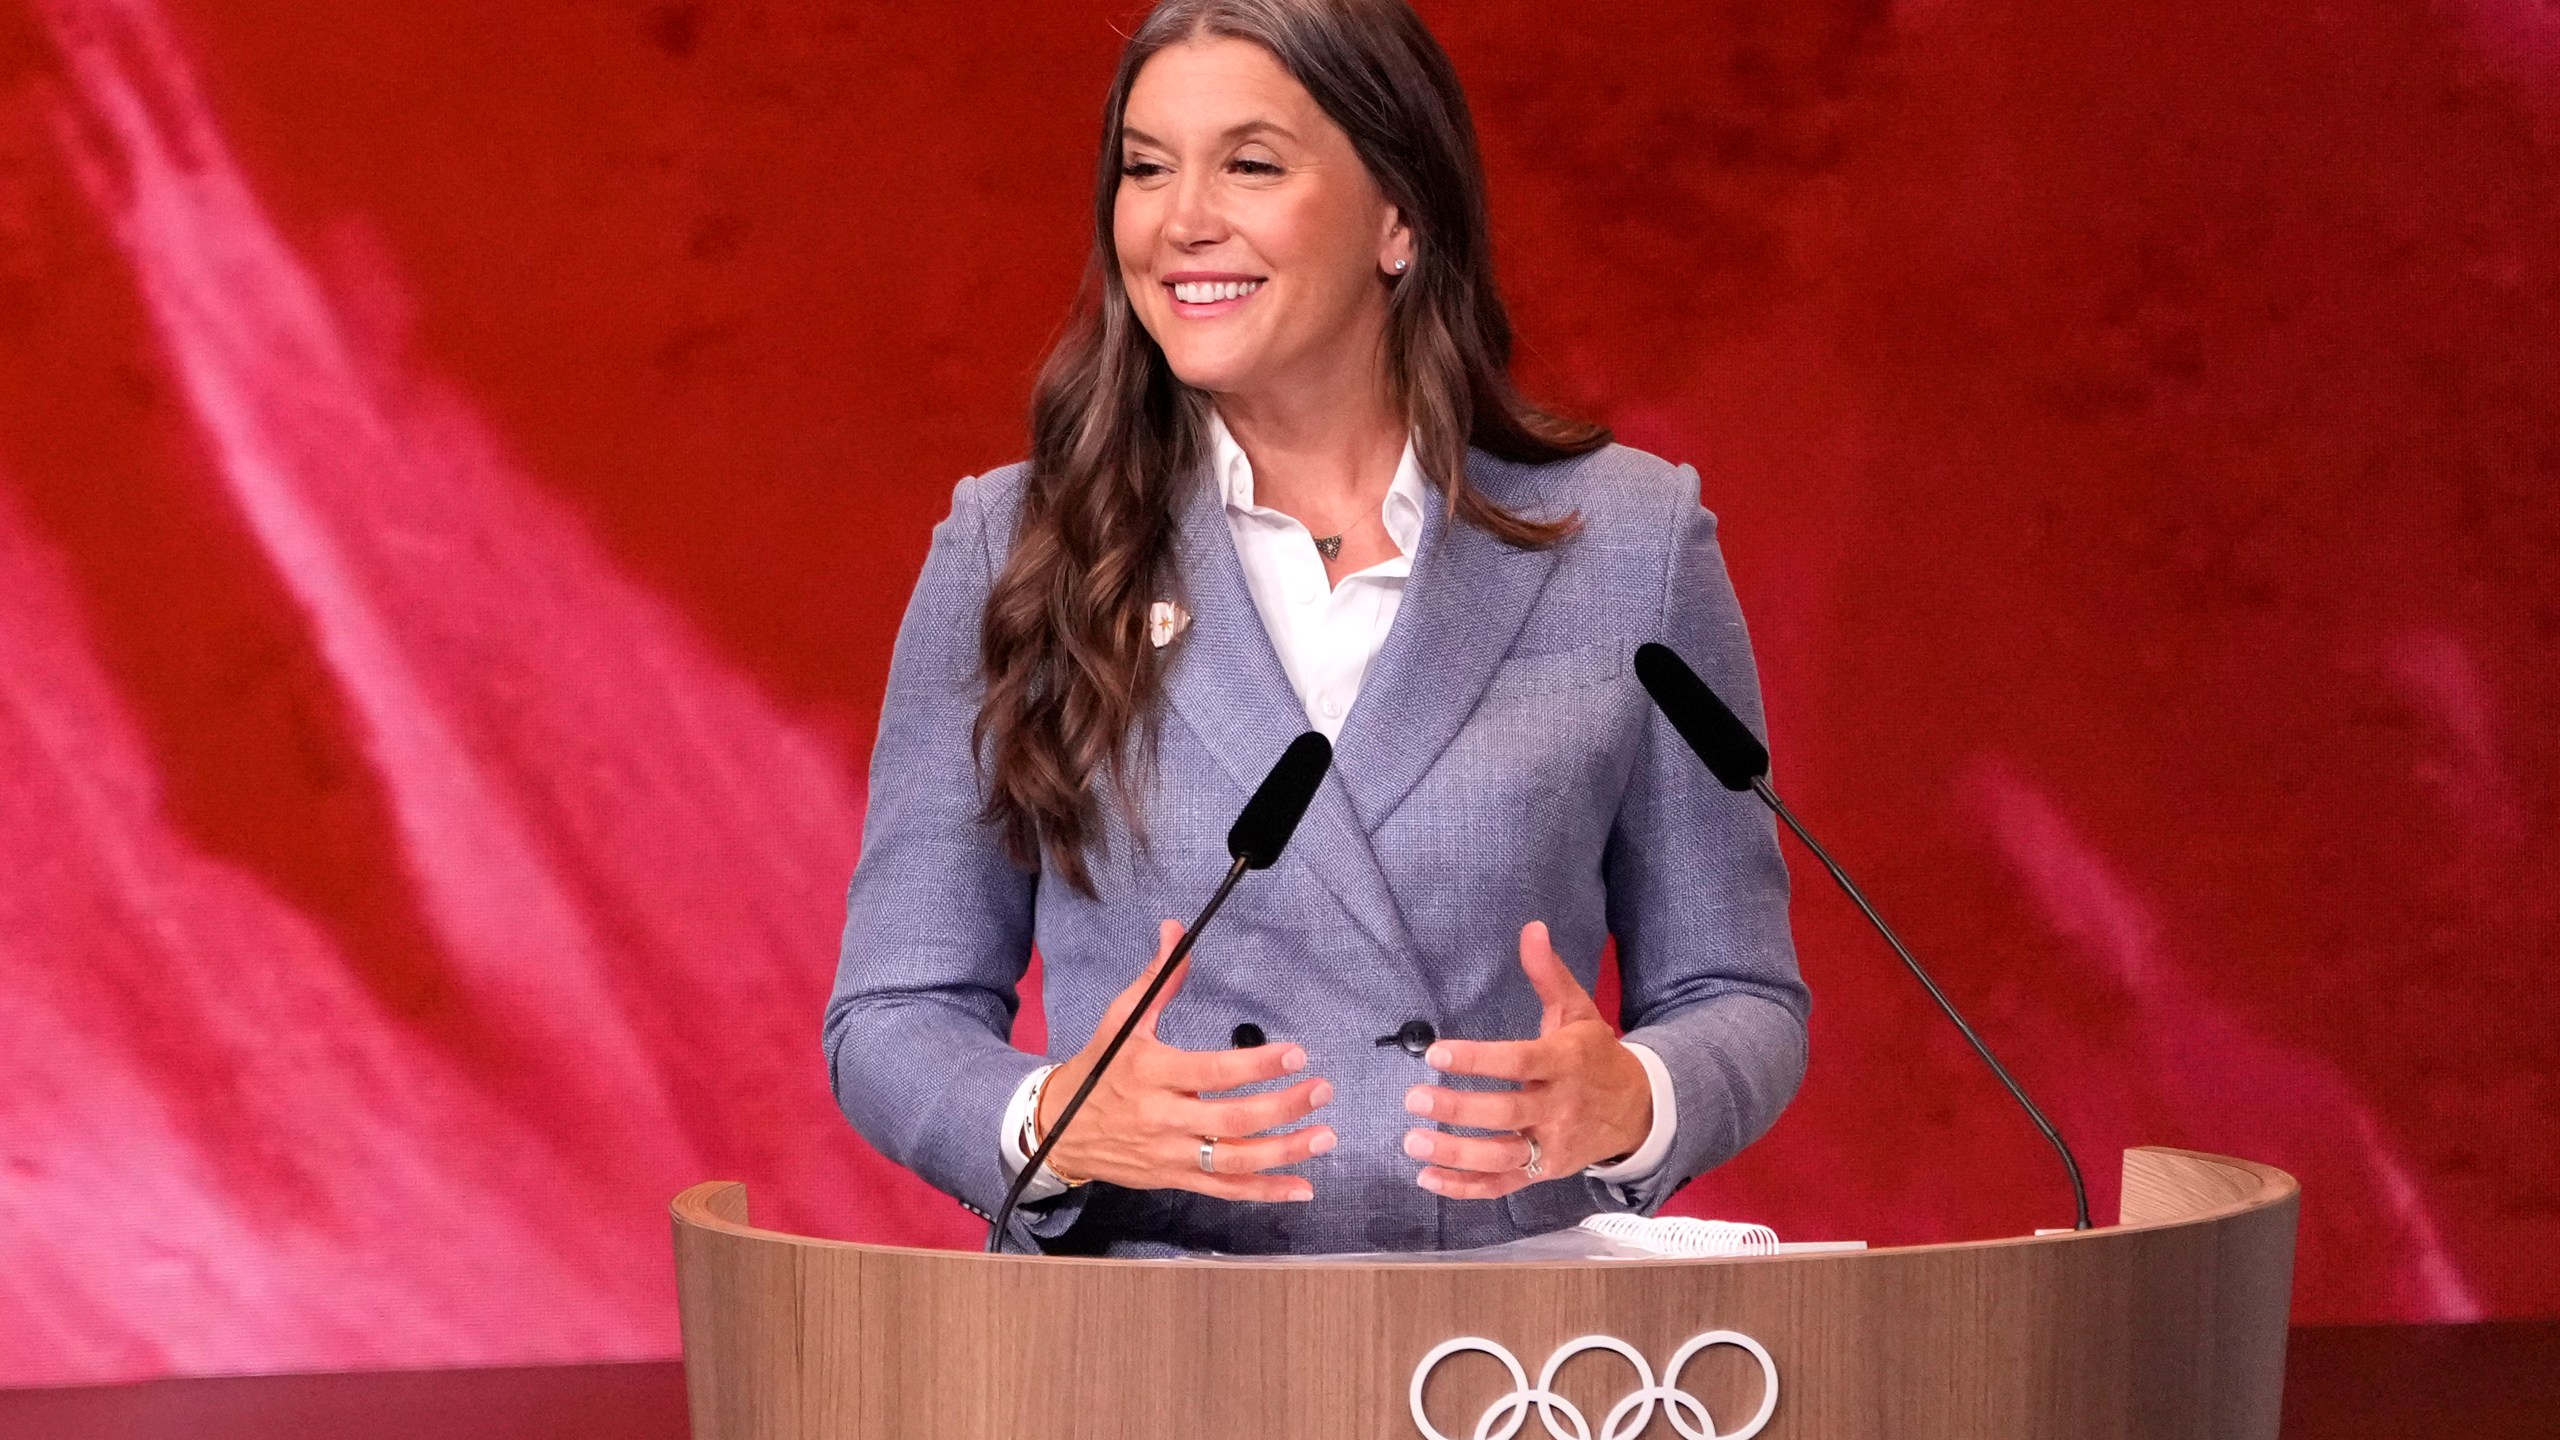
(1272, 815)
(1731, 751)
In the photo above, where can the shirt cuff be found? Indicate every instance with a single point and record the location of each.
(1017, 1116)
(1648, 1157)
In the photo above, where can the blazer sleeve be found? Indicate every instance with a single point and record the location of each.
(938, 921)
(1697, 893)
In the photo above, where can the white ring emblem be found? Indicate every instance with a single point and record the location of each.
(1628, 1418)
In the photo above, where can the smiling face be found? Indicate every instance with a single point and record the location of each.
(1253, 243)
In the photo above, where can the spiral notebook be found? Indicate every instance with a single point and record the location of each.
(1689, 1238)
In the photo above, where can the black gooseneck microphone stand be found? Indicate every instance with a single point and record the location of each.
(1120, 1037)
(1741, 762)
(2079, 1190)
(1261, 832)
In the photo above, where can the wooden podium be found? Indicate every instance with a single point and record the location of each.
(2169, 1323)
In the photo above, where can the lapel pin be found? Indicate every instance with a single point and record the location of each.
(1166, 620)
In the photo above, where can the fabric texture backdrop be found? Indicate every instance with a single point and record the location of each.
(461, 466)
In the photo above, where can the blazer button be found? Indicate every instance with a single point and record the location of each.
(1247, 1036)
(1413, 1037)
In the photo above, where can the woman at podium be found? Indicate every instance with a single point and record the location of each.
(1279, 479)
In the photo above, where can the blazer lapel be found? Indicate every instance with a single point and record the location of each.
(1227, 684)
(1465, 601)
(1224, 677)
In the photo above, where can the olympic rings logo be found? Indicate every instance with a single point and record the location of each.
(1628, 1418)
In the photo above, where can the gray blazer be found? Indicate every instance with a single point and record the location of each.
(1500, 765)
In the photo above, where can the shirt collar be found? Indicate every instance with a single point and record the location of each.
(1400, 511)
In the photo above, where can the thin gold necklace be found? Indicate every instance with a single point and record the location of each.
(1330, 546)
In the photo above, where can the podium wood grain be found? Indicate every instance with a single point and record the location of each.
(2169, 1323)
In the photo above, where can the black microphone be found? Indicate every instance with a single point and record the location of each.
(1263, 827)
(1261, 832)
(1740, 762)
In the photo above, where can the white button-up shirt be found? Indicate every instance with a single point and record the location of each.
(1326, 634)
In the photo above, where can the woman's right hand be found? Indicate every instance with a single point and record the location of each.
(1142, 1126)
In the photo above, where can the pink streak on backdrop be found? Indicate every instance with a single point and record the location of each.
(2198, 1058)
(2520, 36)
(2445, 681)
(242, 1155)
(623, 850)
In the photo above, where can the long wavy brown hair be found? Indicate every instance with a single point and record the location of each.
(1071, 681)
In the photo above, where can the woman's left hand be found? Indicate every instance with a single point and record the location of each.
(1583, 1096)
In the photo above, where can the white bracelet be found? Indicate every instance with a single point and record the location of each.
(1031, 1130)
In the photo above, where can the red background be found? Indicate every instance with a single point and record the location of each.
(461, 465)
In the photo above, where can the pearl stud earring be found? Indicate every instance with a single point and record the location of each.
(1401, 264)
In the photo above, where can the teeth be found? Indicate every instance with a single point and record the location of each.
(1209, 292)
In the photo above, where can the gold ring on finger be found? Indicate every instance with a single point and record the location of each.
(1536, 1164)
